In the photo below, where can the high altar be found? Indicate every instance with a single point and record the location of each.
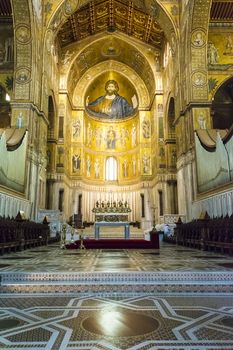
(112, 214)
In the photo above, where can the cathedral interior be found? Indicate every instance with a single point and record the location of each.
(116, 113)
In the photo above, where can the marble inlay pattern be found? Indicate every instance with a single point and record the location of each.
(175, 298)
(168, 258)
(60, 323)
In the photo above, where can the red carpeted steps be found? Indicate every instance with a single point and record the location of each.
(117, 243)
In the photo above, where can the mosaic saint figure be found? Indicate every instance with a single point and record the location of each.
(89, 134)
(111, 138)
(88, 166)
(124, 136)
(134, 166)
(97, 168)
(146, 128)
(76, 162)
(125, 168)
(212, 54)
(201, 121)
(146, 164)
(111, 105)
(134, 136)
(229, 43)
(76, 128)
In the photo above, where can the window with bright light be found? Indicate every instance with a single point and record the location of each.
(111, 169)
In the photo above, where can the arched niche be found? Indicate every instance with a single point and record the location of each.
(171, 117)
(197, 37)
(123, 87)
(23, 50)
(51, 117)
(222, 106)
(75, 64)
(70, 56)
(110, 67)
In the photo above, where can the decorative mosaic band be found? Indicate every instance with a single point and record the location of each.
(126, 278)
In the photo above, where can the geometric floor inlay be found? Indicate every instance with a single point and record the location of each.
(112, 320)
(119, 323)
(168, 258)
(8, 323)
(116, 322)
(228, 321)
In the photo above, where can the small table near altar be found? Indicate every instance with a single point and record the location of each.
(116, 223)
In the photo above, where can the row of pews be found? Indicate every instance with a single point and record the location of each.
(205, 234)
(19, 234)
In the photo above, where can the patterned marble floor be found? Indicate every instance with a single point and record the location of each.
(142, 322)
(177, 316)
(168, 258)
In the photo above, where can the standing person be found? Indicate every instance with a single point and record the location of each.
(167, 230)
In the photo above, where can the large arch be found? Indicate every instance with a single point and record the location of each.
(90, 54)
(143, 93)
(222, 106)
(200, 14)
(23, 48)
(60, 11)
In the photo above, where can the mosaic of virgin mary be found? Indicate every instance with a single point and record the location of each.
(111, 105)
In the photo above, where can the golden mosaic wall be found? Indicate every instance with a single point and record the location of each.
(220, 57)
(93, 141)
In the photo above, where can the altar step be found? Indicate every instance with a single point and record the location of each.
(113, 232)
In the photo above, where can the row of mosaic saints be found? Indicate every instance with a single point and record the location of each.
(125, 166)
(111, 135)
(111, 106)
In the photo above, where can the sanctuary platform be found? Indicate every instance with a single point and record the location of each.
(116, 244)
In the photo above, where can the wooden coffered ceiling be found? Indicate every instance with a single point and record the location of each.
(111, 15)
(5, 8)
(221, 11)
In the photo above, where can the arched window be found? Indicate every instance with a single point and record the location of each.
(111, 169)
(51, 118)
(171, 118)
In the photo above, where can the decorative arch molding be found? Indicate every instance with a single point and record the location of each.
(220, 84)
(52, 109)
(59, 11)
(83, 84)
(171, 102)
(198, 49)
(73, 55)
(222, 105)
(77, 63)
(23, 48)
